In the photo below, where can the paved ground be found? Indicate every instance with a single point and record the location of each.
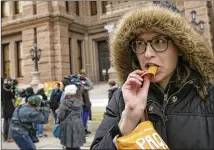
(99, 95)
(99, 100)
(49, 142)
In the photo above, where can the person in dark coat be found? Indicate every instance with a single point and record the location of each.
(7, 98)
(63, 84)
(112, 89)
(86, 82)
(55, 99)
(179, 99)
(69, 115)
(41, 91)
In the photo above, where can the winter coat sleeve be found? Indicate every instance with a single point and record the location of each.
(89, 83)
(62, 96)
(61, 112)
(109, 95)
(108, 128)
(40, 115)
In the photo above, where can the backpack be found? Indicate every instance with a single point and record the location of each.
(57, 131)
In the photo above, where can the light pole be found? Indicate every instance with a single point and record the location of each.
(35, 54)
(198, 26)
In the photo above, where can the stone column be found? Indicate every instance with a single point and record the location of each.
(111, 71)
(13, 59)
(47, 59)
(28, 64)
(43, 7)
(58, 6)
(87, 57)
(27, 8)
(12, 12)
(61, 47)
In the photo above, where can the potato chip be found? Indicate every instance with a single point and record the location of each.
(151, 70)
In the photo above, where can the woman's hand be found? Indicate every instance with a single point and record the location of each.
(135, 92)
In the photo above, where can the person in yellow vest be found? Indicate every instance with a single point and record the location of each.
(178, 96)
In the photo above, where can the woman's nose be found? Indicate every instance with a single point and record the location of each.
(149, 51)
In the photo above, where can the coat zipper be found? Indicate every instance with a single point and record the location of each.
(174, 94)
(165, 102)
(166, 99)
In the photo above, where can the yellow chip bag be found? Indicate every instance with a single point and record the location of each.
(144, 136)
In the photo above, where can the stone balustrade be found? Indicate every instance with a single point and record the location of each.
(117, 10)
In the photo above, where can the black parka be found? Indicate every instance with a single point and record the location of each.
(111, 92)
(179, 114)
(181, 117)
(55, 99)
(7, 97)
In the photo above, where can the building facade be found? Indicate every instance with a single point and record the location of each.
(71, 35)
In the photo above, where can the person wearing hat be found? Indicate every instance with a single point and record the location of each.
(69, 115)
(45, 101)
(179, 98)
(24, 117)
(28, 93)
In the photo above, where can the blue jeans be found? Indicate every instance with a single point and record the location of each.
(24, 142)
(85, 118)
(40, 129)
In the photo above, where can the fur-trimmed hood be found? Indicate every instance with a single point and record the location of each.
(196, 52)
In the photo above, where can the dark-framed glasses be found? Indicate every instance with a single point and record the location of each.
(158, 44)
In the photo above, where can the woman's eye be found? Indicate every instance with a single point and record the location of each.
(159, 41)
(140, 43)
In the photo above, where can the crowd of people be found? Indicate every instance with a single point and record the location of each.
(25, 112)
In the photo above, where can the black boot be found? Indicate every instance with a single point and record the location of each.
(87, 132)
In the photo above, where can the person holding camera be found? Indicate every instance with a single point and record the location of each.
(24, 116)
(7, 98)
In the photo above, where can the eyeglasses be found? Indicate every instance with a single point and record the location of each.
(158, 44)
